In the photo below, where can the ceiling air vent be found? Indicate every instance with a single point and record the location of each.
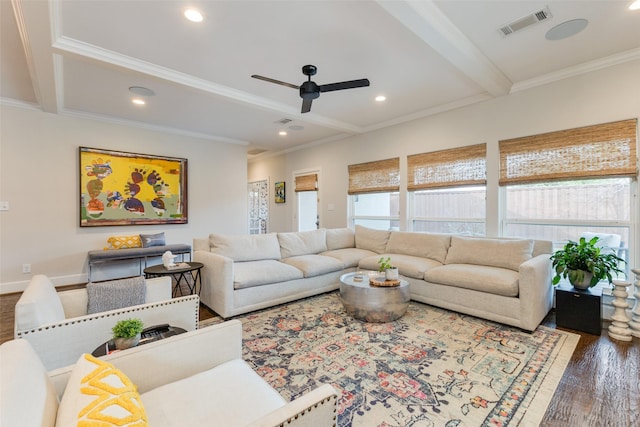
(283, 121)
(524, 22)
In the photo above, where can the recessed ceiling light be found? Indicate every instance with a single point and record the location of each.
(282, 133)
(635, 5)
(142, 91)
(138, 101)
(193, 15)
(380, 98)
(566, 29)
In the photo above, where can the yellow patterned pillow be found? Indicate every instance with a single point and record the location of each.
(124, 242)
(100, 395)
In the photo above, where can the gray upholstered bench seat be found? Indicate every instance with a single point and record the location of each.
(102, 256)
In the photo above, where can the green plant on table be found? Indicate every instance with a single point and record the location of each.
(127, 328)
(384, 264)
(587, 257)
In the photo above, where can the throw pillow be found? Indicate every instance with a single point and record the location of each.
(98, 393)
(123, 242)
(149, 240)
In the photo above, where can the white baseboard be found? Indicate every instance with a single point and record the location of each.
(11, 287)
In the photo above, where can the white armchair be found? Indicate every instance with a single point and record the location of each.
(60, 330)
(188, 380)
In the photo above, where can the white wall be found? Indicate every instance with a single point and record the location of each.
(598, 97)
(39, 179)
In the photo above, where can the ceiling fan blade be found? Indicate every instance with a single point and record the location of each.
(306, 105)
(278, 82)
(351, 84)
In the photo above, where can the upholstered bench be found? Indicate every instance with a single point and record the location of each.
(141, 254)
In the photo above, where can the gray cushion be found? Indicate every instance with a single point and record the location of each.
(493, 280)
(349, 257)
(178, 248)
(149, 240)
(314, 265)
(256, 273)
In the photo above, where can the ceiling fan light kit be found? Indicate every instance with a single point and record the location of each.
(309, 90)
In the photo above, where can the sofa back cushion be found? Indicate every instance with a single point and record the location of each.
(28, 395)
(491, 252)
(38, 305)
(340, 238)
(423, 245)
(372, 240)
(302, 243)
(246, 247)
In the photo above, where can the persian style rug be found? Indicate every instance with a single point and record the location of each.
(432, 367)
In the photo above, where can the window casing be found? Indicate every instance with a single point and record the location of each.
(374, 200)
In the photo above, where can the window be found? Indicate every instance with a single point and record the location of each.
(448, 190)
(561, 185)
(374, 194)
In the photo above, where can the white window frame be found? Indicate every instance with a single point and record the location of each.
(351, 217)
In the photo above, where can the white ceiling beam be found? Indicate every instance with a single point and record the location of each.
(34, 26)
(433, 27)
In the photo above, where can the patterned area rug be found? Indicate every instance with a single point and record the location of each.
(432, 367)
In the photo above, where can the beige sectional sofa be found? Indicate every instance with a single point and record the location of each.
(504, 280)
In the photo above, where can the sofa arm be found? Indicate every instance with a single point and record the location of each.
(317, 408)
(166, 361)
(217, 282)
(536, 291)
(60, 344)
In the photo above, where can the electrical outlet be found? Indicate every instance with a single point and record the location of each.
(26, 268)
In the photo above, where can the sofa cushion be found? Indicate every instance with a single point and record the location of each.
(490, 252)
(27, 393)
(409, 266)
(38, 305)
(246, 247)
(97, 393)
(240, 396)
(424, 245)
(340, 238)
(314, 265)
(371, 240)
(493, 280)
(302, 243)
(256, 273)
(349, 257)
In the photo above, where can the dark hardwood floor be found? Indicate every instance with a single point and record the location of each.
(600, 388)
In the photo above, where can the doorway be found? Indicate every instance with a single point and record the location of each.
(307, 200)
(258, 193)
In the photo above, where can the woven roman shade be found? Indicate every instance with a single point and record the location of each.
(306, 182)
(604, 150)
(448, 168)
(375, 177)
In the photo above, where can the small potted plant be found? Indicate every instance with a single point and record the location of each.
(386, 267)
(584, 264)
(126, 333)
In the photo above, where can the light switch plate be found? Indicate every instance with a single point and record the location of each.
(4, 206)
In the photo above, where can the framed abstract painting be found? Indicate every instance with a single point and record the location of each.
(120, 188)
(281, 195)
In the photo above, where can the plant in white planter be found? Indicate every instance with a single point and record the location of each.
(386, 267)
(126, 333)
(584, 264)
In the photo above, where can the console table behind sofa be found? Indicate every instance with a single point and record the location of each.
(141, 254)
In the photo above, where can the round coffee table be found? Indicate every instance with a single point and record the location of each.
(373, 304)
(186, 273)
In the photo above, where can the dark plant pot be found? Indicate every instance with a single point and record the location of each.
(580, 279)
(122, 343)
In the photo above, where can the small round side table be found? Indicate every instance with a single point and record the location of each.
(182, 275)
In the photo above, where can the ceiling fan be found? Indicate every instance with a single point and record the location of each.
(310, 91)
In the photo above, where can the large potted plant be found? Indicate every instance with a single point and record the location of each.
(126, 333)
(584, 264)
